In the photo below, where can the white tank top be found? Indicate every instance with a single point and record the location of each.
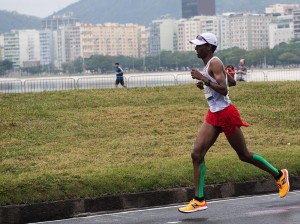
(215, 100)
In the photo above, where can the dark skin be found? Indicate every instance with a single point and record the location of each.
(208, 133)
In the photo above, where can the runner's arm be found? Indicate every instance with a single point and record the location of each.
(231, 81)
(217, 69)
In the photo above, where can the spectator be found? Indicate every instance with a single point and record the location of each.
(242, 71)
(230, 70)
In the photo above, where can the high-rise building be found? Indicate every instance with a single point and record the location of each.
(281, 30)
(162, 35)
(47, 47)
(296, 16)
(191, 8)
(283, 9)
(246, 31)
(22, 48)
(113, 39)
(69, 43)
(188, 29)
(53, 23)
(1, 47)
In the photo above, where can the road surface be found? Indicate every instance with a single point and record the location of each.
(264, 209)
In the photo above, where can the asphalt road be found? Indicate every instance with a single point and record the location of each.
(264, 209)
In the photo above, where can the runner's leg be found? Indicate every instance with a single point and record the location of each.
(206, 137)
(237, 141)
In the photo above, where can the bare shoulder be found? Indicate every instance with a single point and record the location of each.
(216, 64)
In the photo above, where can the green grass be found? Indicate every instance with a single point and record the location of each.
(65, 145)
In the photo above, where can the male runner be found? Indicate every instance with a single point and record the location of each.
(119, 76)
(222, 116)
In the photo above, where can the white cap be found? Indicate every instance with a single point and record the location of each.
(205, 38)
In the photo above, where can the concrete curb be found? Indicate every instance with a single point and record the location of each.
(70, 208)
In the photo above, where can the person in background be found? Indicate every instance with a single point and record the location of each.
(230, 70)
(242, 71)
(119, 75)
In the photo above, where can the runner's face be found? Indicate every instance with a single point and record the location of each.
(201, 50)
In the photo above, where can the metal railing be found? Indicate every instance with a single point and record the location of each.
(151, 81)
(11, 86)
(40, 85)
(132, 81)
(96, 82)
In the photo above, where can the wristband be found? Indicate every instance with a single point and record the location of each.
(207, 83)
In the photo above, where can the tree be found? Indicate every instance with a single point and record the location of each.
(289, 58)
(5, 66)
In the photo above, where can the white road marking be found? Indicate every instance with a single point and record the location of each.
(167, 207)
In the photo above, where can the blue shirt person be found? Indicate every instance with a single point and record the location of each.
(119, 76)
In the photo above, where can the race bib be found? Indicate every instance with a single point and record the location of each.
(207, 93)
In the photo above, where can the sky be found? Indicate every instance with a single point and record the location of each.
(39, 8)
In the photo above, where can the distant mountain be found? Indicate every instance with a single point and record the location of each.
(123, 11)
(144, 11)
(14, 20)
(129, 11)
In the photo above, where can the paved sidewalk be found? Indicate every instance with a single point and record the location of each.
(82, 207)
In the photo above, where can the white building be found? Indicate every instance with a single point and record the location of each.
(1, 47)
(188, 29)
(296, 18)
(113, 39)
(162, 35)
(67, 44)
(55, 22)
(283, 9)
(22, 47)
(246, 31)
(47, 47)
(281, 30)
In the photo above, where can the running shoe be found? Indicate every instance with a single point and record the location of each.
(193, 206)
(283, 183)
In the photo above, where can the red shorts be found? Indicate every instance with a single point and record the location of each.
(227, 119)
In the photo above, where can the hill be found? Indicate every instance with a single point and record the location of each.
(143, 12)
(122, 11)
(14, 20)
(128, 11)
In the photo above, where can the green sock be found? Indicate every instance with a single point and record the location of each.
(266, 163)
(201, 180)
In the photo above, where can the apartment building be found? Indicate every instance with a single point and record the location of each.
(48, 49)
(22, 47)
(113, 39)
(281, 30)
(188, 29)
(162, 35)
(55, 22)
(68, 45)
(1, 47)
(296, 19)
(283, 9)
(246, 31)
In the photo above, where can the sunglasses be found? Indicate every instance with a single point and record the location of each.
(199, 37)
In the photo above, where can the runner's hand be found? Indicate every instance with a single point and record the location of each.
(197, 75)
(200, 85)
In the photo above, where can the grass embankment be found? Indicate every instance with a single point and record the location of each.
(61, 145)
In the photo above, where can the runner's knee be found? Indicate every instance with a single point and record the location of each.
(197, 156)
(245, 157)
